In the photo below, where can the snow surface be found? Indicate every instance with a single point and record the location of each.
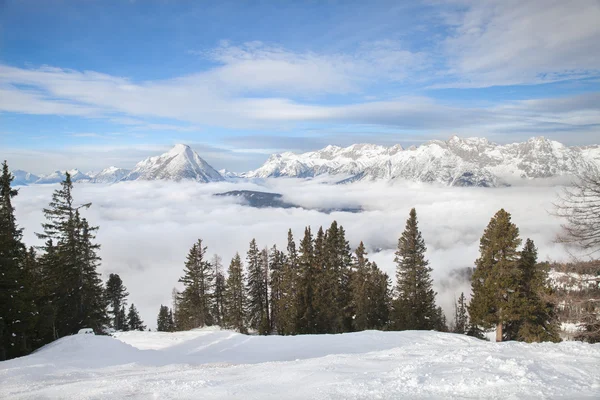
(456, 162)
(211, 364)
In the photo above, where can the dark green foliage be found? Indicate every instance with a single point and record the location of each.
(257, 289)
(461, 318)
(415, 306)
(288, 309)
(495, 276)
(162, 321)
(194, 302)
(124, 325)
(235, 297)
(134, 322)
(18, 312)
(277, 263)
(73, 286)
(218, 307)
(116, 293)
(369, 293)
(307, 316)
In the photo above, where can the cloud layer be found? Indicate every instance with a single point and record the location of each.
(146, 228)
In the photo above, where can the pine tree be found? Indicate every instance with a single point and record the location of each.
(277, 266)
(123, 320)
(134, 321)
(379, 299)
(288, 311)
(415, 306)
(162, 321)
(171, 327)
(235, 297)
(461, 318)
(17, 309)
(361, 290)
(74, 286)
(116, 293)
(495, 277)
(257, 290)
(218, 308)
(532, 302)
(307, 317)
(196, 298)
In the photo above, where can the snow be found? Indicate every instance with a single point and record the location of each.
(214, 364)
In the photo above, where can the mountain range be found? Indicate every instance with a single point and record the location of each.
(455, 162)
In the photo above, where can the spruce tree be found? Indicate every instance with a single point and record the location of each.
(495, 277)
(257, 290)
(379, 299)
(277, 266)
(134, 321)
(235, 297)
(171, 327)
(123, 320)
(218, 309)
(415, 305)
(162, 321)
(532, 303)
(288, 311)
(198, 280)
(307, 317)
(361, 290)
(116, 293)
(17, 309)
(75, 288)
(461, 318)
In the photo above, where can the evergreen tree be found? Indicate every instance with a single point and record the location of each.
(379, 299)
(495, 277)
(439, 322)
(124, 324)
(162, 322)
(257, 290)
(288, 310)
(134, 321)
(307, 318)
(235, 297)
(461, 318)
(415, 306)
(17, 309)
(218, 309)
(276, 267)
(171, 327)
(74, 286)
(116, 293)
(361, 290)
(532, 303)
(198, 280)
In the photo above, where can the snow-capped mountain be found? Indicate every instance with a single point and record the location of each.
(227, 174)
(456, 162)
(110, 175)
(59, 176)
(23, 177)
(179, 163)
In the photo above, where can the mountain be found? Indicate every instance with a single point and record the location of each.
(179, 163)
(257, 199)
(110, 175)
(227, 174)
(59, 176)
(456, 162)
(23, 178)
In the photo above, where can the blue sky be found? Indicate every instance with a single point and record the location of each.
(89, 84)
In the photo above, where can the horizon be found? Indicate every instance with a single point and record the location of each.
(96, 84)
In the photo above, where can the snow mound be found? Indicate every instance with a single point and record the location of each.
(212, 363)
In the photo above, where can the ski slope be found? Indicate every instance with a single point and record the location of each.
(219, 364)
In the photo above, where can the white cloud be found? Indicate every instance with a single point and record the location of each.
(508, 42)
(146, 228)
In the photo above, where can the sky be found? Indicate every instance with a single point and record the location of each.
(89, 84)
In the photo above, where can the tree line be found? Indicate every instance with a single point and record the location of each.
(53, 290)
(317, 285)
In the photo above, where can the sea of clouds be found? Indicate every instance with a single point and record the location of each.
(147, 228)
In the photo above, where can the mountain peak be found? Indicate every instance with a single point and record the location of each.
(180, 148)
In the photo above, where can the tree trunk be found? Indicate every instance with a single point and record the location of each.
(499, 332)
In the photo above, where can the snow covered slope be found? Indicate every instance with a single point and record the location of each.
(213, 364)
(59, 176)
(110, 175)
(456, 162)
(24, 177)
(179, 163)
